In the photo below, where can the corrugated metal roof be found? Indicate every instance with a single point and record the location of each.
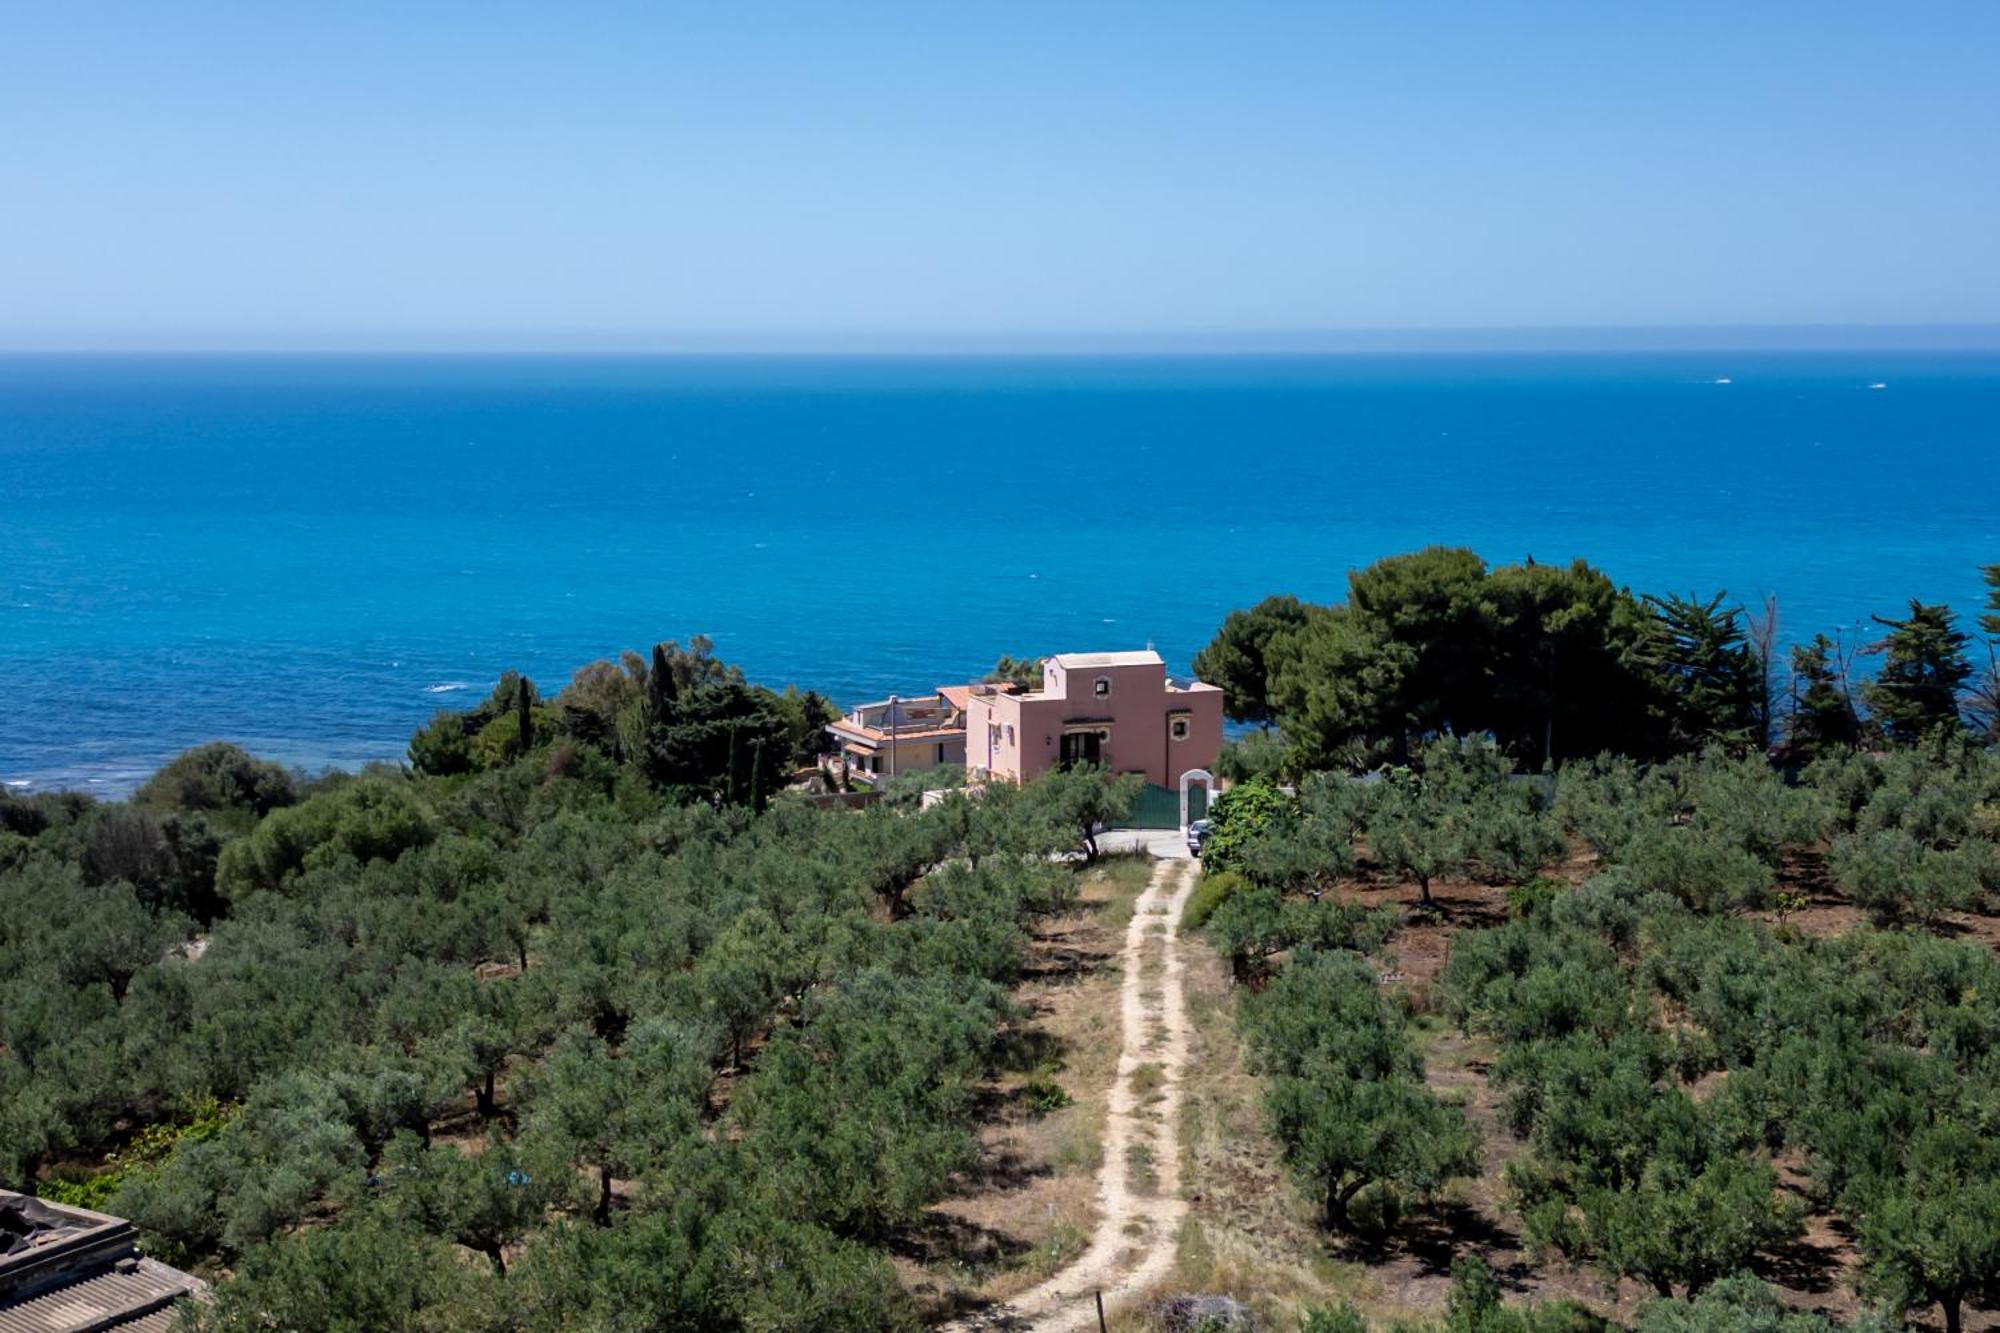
(139, 1299)
(160, 1321)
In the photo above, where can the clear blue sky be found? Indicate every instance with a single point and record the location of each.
(377, 174)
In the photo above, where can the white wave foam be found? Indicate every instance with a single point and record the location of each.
(446, 687)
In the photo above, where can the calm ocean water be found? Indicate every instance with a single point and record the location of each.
(308, 555)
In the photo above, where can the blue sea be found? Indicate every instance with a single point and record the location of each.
(310, 554)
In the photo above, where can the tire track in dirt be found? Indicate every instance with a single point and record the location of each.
(1138, 1185)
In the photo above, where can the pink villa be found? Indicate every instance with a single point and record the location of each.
(1116, 709)
(1120, 710)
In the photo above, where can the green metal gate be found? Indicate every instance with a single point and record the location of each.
(1160, 807)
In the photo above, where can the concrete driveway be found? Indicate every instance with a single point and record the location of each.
(1163, 844)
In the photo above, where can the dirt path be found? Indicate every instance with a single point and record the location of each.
(1138, 1185)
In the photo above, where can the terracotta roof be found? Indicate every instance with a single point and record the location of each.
(959, 695)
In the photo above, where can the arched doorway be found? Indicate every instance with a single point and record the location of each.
(1188, 779)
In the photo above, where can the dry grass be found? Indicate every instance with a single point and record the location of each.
(1118, 882)
(1031, 1205)
(1247, 1235)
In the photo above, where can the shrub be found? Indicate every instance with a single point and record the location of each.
(498, 743)
(149, 1149)
(1238, 817)
(1342, 1318)
(1893, 875)
(1736, 1305)
(1474, 1306)
(442, 747)
(127, 843)
(1044, 1095)
(367, 819)
(1706, 872)
(1608, 800)
(1214, 890)
(1534, 896)
(218, 777)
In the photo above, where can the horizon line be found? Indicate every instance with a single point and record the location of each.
(1333, 341)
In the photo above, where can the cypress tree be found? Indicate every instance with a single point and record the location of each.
(733, 790)
(524, 706)
(1984, 706)
(757, 796)
(660, 688)
(657, 718)
(1823, 712)
(1704, 670)
(1924, 667)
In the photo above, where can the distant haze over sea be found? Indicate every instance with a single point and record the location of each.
(1214, 342)
(308, 554)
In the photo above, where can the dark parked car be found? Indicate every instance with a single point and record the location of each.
(1197, 836)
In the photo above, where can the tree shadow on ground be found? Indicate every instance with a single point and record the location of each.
(1064, 963)
(1432, 1237)
(1809, 1263)
(941, 1237)
(980, 1313)
(1025, 1050)
(1801, 1265)
(1003, 1171)
(1467, 906)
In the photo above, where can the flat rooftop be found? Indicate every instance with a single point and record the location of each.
(1144, 657)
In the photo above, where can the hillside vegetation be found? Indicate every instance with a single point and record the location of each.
(1708, 1020)
(1578, 960)
(576, 1022)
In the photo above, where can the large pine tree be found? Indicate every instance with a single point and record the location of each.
(1924, 667)
(1983, 708)
(1823, 712)
(1705, 670)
